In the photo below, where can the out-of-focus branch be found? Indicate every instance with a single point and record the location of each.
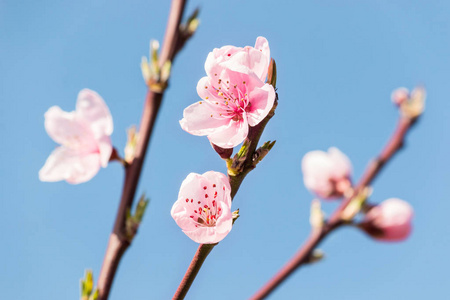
(317, 235)
(120, 239)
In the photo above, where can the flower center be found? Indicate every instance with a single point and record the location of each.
(205, 215)
(232, 98)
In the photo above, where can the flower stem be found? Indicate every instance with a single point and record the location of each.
(119, 241)
(394, 144)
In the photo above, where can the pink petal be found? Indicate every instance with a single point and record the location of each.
(181, 215)
(261, 100)
(191, 187)
(205, 89)
(231, 135)
(64, 128)
(225, 221)
(263, 45)
(219, 55)
(206, 235)
(92, 108)
(221, 181)
(244, 60)
(69, 165)
(197, 118)
(105, 149)
(342, 166)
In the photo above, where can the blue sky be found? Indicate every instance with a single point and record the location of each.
(338, 62)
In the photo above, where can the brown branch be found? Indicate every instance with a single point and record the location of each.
(195, 265)
(203, 250)
(119, 240)
(335, 221)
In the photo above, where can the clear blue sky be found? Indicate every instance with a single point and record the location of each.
(338, 62)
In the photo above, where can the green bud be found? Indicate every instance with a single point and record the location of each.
(235, 215)
(317, 217)
(87, 284)
(356, 204)
(133, 221)
(262, 151)
(316, 256)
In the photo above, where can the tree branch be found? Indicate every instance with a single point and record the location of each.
(317, 236)
(119, 240)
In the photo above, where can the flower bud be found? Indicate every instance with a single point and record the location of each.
(223, 153)
(389, 221)
(400, 96)
(327, 174)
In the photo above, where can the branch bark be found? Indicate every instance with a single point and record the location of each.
(335, 221)
(119, 241)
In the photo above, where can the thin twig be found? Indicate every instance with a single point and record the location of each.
(195, 265)
(119, 241)
(203, 250)
(335, 221)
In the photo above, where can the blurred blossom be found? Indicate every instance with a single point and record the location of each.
(389, 221)
(84, 135)
(327, 174)
(203, 208)
(234, 94)
(400, 96)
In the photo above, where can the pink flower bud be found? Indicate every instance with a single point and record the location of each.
(84, 135)
(327, 174)
(400, 96)
(389, 221)
(203, 208)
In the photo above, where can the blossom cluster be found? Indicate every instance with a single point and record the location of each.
(234, 96)
(328, 175)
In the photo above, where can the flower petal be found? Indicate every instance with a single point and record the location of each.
(92, 108)
(181, 215)
(105, 149)
(342, 166)
(64, 128)
(205, 235)
(261, 100)
(231, 135)
(69, 165)
(219, 55)
(248, 59)
(221, 181)
(263, 45)
(197, 118)
(225, 221)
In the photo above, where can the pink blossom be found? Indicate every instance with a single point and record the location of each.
(203, 208)
(389, 221)
(234, 94)
(84, 138)
(400, 96)
(327, 174)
